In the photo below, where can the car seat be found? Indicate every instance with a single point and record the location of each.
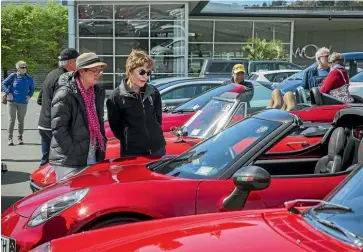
(360, 157)
(332, 162)
(300, 95)
(276, 99)
(289, 102)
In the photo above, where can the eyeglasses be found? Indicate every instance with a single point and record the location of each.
(96, 71)
(23, 67)
(142, 72)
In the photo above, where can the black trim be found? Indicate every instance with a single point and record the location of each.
(335, 174)
(279, 15)
(88, 62)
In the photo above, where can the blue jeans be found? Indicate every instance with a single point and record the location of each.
(46, 136)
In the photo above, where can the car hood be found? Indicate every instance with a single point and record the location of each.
(174, 120)
(233, 231)
(259, 230)
(104, 173)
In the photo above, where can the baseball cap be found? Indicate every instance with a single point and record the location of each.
(89, 60)
(68, 54)
(238, 68)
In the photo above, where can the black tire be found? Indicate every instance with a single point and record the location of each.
(113, 222)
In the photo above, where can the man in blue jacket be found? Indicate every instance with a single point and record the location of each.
(19, 88)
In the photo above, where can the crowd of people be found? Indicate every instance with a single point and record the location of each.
(71, 121)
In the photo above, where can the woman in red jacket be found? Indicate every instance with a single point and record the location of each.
(337, 81)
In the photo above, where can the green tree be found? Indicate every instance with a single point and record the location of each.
(32, 33)
(260, 49)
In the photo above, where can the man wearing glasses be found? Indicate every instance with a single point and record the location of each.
(19, 88)
(316, 75)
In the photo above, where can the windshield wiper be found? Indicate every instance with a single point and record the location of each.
(182, 111)
(290, 205)
(357, 241)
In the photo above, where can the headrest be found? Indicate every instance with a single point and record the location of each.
(289, 102)
(337, 142)
(276, 99)
(301, 95)
(316, 97)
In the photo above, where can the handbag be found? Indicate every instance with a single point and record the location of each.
(342, 93)
(4, 97)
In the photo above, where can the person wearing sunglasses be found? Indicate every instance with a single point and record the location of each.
(18, 88)
(77, 110)
(134, 109)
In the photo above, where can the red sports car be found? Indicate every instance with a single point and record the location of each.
(114, 192)
(215, 116)
(332, 225)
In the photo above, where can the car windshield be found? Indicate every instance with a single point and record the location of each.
(297, 76)
(349, 194)
(211, 119)
(357, 77)
(199, 101)
(213, 156)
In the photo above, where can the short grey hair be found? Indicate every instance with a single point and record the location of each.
(20, 63)
(63, 63)
(320, 52)
(336, 58)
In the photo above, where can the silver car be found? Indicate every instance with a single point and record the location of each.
(356, 85)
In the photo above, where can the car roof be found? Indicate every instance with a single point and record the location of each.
(277, 71)
(353, 55)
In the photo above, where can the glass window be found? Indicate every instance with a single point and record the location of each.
(161, 47)
(98, 46)
(109, 62)
(200, 31)
(200, 50)
(264, 67)
(180, 92)
(125, 46)
(167, 29)
(229, 51)
(261, 97)
(167, 11)
(140, 12)
(270, 31)
(120, 63)
(95, 11)
(168, 64)
(195, 65)
(106, 81)
(132, 28)
(233, 31)
(95, 28)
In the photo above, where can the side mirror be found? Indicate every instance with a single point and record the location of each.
(181, 132)
(246, 179)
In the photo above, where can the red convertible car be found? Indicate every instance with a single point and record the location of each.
(334, 224)
(215, 116)
(114, 192)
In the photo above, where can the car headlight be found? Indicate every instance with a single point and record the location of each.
(54, 206)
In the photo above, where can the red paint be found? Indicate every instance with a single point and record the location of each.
(276, 229)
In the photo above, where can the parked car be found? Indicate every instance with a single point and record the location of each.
(356, 85)
(299, 79)
(275, 76)
(332, 224)
(216, 115)
(196, 182)
(223, 67)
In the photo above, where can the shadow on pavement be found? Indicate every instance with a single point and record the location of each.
(7, 201)
(19, 160)
(13, 177)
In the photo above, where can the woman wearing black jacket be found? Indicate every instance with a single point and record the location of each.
(134, 110)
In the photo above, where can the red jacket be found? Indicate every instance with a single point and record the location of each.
(334, 80)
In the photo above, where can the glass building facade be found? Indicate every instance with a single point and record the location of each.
(179, 35)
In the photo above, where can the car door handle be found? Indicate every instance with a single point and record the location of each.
(303, 143)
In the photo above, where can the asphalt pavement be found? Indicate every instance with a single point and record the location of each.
(20, 159)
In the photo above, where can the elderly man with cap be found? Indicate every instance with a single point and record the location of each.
(67, 63)
(77, 118)
(316, 75)
(238, 76)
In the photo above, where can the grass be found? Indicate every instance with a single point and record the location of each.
(36, 93)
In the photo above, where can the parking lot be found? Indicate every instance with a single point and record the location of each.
(21, 159)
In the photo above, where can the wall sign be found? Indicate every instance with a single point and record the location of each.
(307, 52)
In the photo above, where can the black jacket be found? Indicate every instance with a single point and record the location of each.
(46, 95)
(136, 119)
(70, 143)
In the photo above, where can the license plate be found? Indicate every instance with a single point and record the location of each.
(8, 244)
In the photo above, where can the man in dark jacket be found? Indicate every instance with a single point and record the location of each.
(67, 63)
(77, 118)
(135, 119)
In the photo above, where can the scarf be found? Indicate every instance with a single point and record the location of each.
(88, 96)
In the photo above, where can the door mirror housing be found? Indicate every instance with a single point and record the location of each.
(246, 179)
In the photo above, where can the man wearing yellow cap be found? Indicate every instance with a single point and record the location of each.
(238, 76)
